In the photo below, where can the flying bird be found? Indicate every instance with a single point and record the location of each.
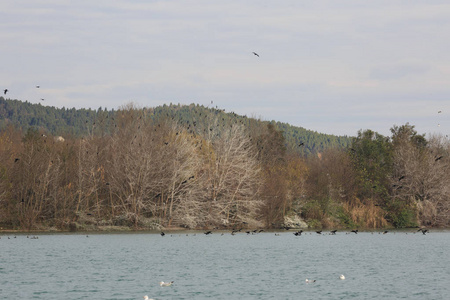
(5, 91)
(162, 283)
(38, 86)
(255, 54)
(439, 111)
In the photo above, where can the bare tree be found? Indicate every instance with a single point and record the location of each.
(233, 177)
(422, 179)
(135, 165)
(36, 175)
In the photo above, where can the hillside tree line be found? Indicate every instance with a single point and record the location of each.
(145, 168)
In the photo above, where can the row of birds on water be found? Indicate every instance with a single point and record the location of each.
(299, 232)
(256, 231)
(33, 237)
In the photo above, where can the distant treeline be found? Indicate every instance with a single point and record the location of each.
(77, 122)
(197, 167)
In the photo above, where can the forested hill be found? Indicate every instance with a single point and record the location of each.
(78, 122)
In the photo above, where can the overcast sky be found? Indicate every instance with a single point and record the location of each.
(331, 66)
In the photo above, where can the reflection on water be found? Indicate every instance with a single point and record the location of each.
(261, 266)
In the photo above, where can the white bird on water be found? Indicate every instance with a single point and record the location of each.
(147, 298)
(342, 277)
(162, 283)
(310, 280)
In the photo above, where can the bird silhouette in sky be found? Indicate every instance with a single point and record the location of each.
(5, 91)
(255, 54)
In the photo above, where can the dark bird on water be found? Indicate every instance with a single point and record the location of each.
(255, 54)
(5, 91)
(162, 233)
(355, 231)
(333, 231)
(208, 232)
(424, 231)
(319, 232)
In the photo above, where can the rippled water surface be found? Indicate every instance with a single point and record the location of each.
(400, 265)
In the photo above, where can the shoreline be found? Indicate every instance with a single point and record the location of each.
(184, 230)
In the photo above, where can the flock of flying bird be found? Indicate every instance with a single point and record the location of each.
(5, 91)
(254, 53)
(297, 233)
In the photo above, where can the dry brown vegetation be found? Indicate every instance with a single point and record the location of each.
(138, 170)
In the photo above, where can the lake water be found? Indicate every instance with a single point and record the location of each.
(399, 265)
